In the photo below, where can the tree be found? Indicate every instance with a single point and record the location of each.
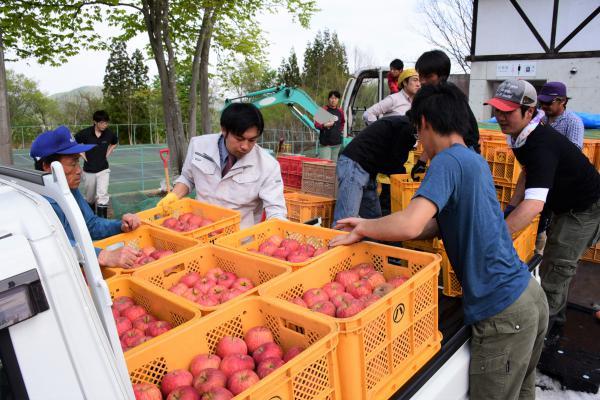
(289, 72)
(118, 85)
(448, 26)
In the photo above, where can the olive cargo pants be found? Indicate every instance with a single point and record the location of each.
(569, 235)
(506, 348)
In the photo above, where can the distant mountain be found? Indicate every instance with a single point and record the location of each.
(95, 91)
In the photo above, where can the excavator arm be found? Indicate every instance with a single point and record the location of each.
(301, 105)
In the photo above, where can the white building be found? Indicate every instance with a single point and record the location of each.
(537, 40)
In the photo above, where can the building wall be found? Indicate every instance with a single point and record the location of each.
(583, 86)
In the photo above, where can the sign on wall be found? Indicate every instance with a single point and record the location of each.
(516, 68)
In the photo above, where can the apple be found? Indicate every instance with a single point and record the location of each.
(205, 284)
(190, 279)
(298, 301)
(313, 296)
(195, 220)
(156, 328)
(170, 223)
(185, 217)
(143, 260)
(230, 294)
(174, 379)
(146, 391)
(282, 253)
(324, 307)
(140, 340)
(165, 253)
(217, 394)
(236, 362)
(292, 352)
(123, 325)
(268, 365)
(341, 298)
(267, 248)
(276, 240)
(333, 288)
(207, 300)
(241, 380)
(290, 244)
(364, 269)
(142, 322)
(319, 251)
(184, 393)
(347, 310)
(122, 302)
(134, 312)
(397, 281)
(383, 289)
(130, 336)
(217, 290)
(307, 249)
(359, 288)
(231, 345)
(370, 299)
(226, 279)
(213, 273)
(116, 314)
(375, 278)
(243, 284)
(192, 294)
(257, 336)
(347, 277)
(204, 361)
(298, 257)
(267, 350)
(178, 288)
(208, 379)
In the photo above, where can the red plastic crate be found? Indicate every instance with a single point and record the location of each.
(291, 169)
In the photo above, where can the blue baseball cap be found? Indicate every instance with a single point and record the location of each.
(58, 141)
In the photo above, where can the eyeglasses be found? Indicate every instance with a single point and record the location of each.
(547, 103)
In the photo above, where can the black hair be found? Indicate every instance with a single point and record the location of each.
(334, 93)
(443, 107)
(397, 64)
(525, 108)
(101, 116)
(237, 118)
(39, 164)
(434, 62)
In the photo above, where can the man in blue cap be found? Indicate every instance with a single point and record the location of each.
(59, 145)
(553, 100)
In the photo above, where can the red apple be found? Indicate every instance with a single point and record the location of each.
(364, 269)
(190, 279)
(307, 249)
(231, 345)
(297, 257)
(333, 288)
(324, 307)
(130, 336)
(292, 352)
(207, 300)
(241, 380)
(383, 289)
(276, 240)
(205, 284)
(146, 391)
(397, 281)
(370, 299)
(122, 302)
(267, 350)
(319, 251)
(236, 362)
(313, 296)
(142, 322)
(290, 244)
(226, 279)
(195, 220)
(217, 394)
(375, 278)
(347, 277)
(267, 366)
(170, 223)
(230, 294)
(217, 290)
(267, 248)
(140, 340)
(213, 273)
(282, 253)
(350, 309)
(156, 328)
(298, 301)
(192, 294)
(174, 379)
(178, 288)
(123, 325)
(115, 313)
(257, 336)
(359, 288)
(134, 312)
(184, 393)
(165, 253)
(204, 361)
(243, 284)
(206, 222)
(208, 379)
(185, 217)
(341, 298)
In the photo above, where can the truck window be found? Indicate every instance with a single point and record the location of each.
(365, 98)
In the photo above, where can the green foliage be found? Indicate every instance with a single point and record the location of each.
(289, 73)
(27, 104)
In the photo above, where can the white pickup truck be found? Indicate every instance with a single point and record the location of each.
(58, 339)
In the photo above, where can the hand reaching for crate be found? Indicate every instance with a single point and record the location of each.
(348, 225)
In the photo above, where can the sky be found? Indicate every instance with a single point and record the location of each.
(373, 32)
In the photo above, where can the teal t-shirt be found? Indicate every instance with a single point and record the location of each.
(474, 232)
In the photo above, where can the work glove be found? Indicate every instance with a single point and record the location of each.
(418, 170)
(167, 201)
(508, 210)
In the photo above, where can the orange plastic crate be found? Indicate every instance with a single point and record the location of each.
(144, 236)
(109, 273)
(166, 273)
(385, 344)
(303, 207)
(313, 374)
(592, 254)
(163, 307)
(225, 219)
(504, 194)
(402, 190)
(251, 238)
(503, 164)
(591, 149)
